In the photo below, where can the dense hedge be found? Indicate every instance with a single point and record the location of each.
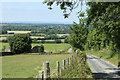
(20, 43)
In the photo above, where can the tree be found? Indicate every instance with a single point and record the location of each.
(2, 31)
(41, 49)
(43, 41)
(79, 34)
(66, 40)
(20, 43)
(58, 41)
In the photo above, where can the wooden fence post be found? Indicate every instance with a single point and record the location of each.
(36, 77)
(72, 58)
(63, 66)
(46, 70)
(67, 61)
(60, 71)
(58, 68)
(41, 75)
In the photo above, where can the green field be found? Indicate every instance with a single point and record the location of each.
(54, 47)
(3, 38)
(48, 47)
(7, 35)
(24, 66)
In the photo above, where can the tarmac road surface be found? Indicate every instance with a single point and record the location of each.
(102, 69)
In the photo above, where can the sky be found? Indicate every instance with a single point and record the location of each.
(35, 12)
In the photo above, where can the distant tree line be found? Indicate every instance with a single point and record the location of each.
(54, 41)
(37, 28)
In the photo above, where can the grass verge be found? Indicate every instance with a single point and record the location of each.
(105, 54)
(77, 69)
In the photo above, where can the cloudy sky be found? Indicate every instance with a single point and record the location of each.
(35, 12)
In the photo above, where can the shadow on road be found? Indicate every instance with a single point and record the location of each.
(105, 76)
(102, 70)
(112, 69)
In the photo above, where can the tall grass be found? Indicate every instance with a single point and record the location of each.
(78, 68)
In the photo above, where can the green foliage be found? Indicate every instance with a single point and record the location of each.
(58, 41)
(66, 40)
(77, 68)
(105, 21)
(20, 43)
(101, 29)
(78, 37)
(2, 31)
(41, 49)
(43, 41)
(3, 49)
(36, 29)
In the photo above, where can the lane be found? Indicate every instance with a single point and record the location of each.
(70, 50)
(102, 69)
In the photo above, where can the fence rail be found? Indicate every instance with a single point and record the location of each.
(53, 72)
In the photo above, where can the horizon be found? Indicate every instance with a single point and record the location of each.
(32, 23)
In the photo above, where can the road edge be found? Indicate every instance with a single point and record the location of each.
(104, 60)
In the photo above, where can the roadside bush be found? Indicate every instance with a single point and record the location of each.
(41, 49)
(77, 68)
(3, 41)
(43, 41)
(58, 41)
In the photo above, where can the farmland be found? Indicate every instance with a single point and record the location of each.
(48, 47)
(52, 36)
(19, 32)
(24, 66)
(3, 38)
(37, 37)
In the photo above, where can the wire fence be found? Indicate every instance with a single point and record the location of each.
(54, 71)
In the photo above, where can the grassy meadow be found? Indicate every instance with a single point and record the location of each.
(53, 47)
(48, 47)
(7, 35)
(24, 66)
(63, 35)
(36, 37)
(3, 38)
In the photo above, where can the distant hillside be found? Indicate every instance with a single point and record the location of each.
(37, 28)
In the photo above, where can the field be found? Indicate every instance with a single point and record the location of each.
(63, 35)
(24, 66)
(3, 38)
(36, 37)
(48, 47)
(22, 32)
(54, 47)
(6, 35)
